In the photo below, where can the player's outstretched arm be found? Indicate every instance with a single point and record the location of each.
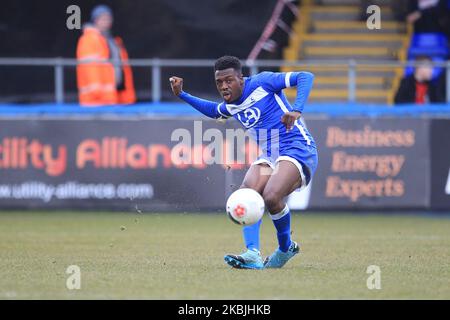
(277, 81)
(304, 82)
(208, 108)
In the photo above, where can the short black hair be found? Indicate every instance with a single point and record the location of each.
(227, 62)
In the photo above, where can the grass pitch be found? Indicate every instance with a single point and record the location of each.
(180, 256)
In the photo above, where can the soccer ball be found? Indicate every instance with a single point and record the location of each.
(245, 206)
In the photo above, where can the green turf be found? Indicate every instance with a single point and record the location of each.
(175, 256)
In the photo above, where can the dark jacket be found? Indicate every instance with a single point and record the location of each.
(432, 19)
(407, 91)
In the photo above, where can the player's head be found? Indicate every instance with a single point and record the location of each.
(102, 17)
(229, 79)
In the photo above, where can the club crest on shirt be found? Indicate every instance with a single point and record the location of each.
(249, 117)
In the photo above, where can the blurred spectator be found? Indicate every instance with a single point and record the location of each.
(428, 15)
(420, 87)
(103, 83)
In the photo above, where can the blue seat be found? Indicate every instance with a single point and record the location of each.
(433, 45)
(429, 44)
(436, 70)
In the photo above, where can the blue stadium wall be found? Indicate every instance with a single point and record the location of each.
(117, 158)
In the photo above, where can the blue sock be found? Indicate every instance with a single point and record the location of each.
(282, 222)
(251, 235)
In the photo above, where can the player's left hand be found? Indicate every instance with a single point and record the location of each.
(289, 118)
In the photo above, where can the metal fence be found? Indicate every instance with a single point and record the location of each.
(155, 65)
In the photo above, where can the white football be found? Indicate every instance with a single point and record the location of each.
(245, 206)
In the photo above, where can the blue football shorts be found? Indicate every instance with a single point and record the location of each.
(304, 157)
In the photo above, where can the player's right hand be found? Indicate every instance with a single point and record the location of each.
(176, 83)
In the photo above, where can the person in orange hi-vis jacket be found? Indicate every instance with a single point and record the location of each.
(103, 83)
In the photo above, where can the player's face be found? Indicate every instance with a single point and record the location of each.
(230, 83)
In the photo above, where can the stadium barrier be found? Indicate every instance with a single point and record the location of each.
(126, 162)
(254, 66)
(440, 164)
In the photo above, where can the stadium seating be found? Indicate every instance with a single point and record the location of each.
(436, 70)
(433, 45)
(429, 44)
(332, 30)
